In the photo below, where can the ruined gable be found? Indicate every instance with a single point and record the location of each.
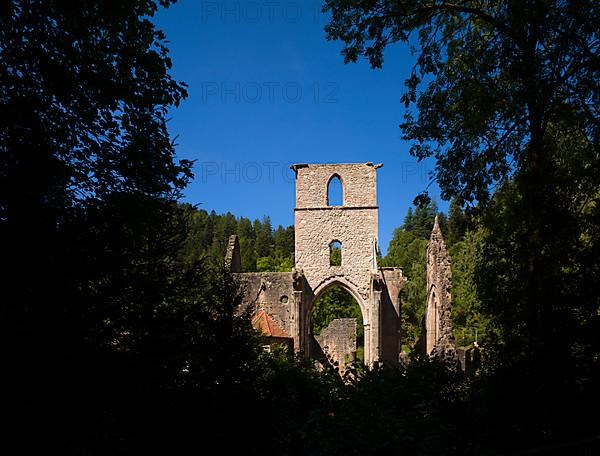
(439, 335)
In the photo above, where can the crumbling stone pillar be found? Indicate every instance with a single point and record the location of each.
(233, 259)
(439, 335)
(375, 333)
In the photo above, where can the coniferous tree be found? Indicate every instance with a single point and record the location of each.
(264, 236)
(457, 223)
(408, 220)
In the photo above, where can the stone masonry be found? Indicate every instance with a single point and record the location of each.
(354, 224)
(233, 258)
(338, 341)
(288, 297)
(439, 337)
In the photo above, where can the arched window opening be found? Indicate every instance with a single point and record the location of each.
(335, 191)
(335, 253)
(431, 323)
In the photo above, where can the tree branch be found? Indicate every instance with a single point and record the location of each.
(453, 7)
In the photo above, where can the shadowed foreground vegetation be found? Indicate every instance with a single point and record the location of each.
(121, 336)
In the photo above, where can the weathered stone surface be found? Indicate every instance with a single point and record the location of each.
(233, 259)
(338, 341)
(288, 298)
(439, 335)
(391, 310)
(358, 181)
(272, 292)
(354, 224)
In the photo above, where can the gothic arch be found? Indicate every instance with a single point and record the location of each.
(353, 222)
(432, 322)
(335, 179)
(352, 290)
(289, 297)
(347, 286)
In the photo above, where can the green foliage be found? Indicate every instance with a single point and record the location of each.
(313, 409)
(481, 67)
(284, 240)
(403, 250)
(493, 84)
(570, 297)
(421, 221)
(407, 250)
(107, 304)
(264, 237)
(335, 254)
(86, 115)
(275, 264)
(401, 406)
(408, 220)
(360, 354)
(414, 298)
(336, 303)
(295, 396)
(109, 307)
(457, 224)
(262, 248)
(467, 312)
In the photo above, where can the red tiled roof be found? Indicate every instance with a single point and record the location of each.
(267, 325)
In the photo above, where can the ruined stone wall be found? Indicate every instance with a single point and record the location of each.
(287, 298)
(391, 311)
(354, 229)
(233, 258)
(354, 224)
(438, 320)
(338, 340)
(272, 292)
(358, 181)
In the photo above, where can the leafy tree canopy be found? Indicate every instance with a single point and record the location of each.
(495, 75)
(492, 83)
(84, 91)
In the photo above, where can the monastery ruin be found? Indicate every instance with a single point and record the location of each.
(283, 301)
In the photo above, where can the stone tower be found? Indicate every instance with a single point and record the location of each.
(288, 298)
(354, 225)
(439, 336)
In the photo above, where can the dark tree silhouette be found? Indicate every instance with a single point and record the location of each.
(506, 100)
(497, 78)
(101, 304)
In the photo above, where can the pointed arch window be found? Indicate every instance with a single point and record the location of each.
(335, 253)
(335, 191)
(432, 321)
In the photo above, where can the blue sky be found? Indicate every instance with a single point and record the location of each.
(266, 90)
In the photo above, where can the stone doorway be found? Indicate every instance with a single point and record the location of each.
(336, 328)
